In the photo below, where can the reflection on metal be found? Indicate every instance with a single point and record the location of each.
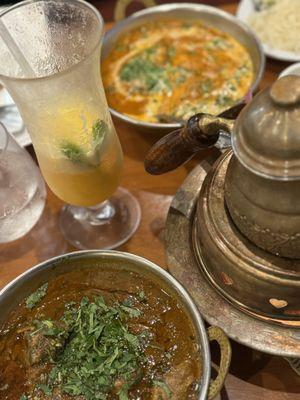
(263, 181)
(245, 327)
(257, 276)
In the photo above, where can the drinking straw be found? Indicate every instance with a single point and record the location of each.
(15, 51)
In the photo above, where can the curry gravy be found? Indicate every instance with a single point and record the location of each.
(168, 70)
(161, 314)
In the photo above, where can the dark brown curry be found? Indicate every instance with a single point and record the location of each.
(107, 335)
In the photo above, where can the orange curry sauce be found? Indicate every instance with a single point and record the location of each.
(167, 70)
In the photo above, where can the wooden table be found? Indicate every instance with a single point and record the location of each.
(253, 375)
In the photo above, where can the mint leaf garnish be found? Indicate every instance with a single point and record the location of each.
(99, 130)
(77, 155)
(73, 152)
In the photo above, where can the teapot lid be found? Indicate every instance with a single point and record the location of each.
(266, 136)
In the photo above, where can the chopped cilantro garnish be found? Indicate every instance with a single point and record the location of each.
(132, 312)
(149, 75)
(142, 295)
(231, 86)
(123, 393)
(206, 86)
(99, 351)
(187, 25)
(241, 72)
(171, 51)
(165, 388)
(217, 43)
(223, 100)
(47, 328)
(44, 388)
(36, 297)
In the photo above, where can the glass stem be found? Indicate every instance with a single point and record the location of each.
(101, 213)
(95, 215)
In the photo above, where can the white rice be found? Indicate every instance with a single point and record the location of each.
(279, 26)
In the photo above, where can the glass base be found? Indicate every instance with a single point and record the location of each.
(105, 226)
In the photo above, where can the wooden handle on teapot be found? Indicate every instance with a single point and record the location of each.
(201, 132)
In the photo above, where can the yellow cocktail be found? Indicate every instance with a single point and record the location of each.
(82, 158)
(58, 89)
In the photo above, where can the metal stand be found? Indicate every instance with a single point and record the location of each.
(244, 328)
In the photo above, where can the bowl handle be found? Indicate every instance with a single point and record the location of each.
(215, 333)
(120, 10)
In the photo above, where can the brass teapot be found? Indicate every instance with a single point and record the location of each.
(247, 223)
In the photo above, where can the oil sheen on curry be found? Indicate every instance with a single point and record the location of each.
(168, 70)
(99, 335)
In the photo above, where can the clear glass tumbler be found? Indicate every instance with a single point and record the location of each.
(52, 52)
(22, 189)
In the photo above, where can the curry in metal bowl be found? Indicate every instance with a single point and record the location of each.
(168, 70)
(99, 333)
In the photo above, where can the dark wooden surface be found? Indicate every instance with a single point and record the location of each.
(253, 375)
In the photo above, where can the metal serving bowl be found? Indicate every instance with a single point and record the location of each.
(212, 17)
(29, 281)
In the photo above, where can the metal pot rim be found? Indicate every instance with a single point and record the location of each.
(168, 278)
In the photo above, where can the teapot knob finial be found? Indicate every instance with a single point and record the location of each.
(286, 91)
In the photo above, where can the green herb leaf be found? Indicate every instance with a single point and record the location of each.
(77, 155)
(23, 397)
(241, 72)
(123, 393)
(164, 386)
(99, 130)
(223, 100)
(146, 74)
(218, 43)
(187, 25)
(142, 295)
(206, 86)
(133, 312)
(44, 388)
(99, 351)
(48, 328)
(36, 297)
(129, 301)
(171, 51)
(231, 86)
(73, 152)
